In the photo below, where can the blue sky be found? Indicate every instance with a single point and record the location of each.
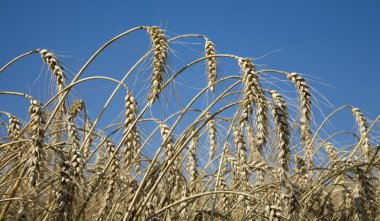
(337, 42)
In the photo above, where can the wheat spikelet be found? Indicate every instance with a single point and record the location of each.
(211, 64)
(37, 121)
(279, 111)
(363, 127)
(160, 47)
(253, 94)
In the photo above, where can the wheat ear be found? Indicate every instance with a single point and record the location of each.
(253, 95)
(364, 197)
(211, 64)
(160, 47)
(363, 127)
(55, 66)
(76, 155)
(110, 192)
(132, 139)
(242, 161)
(65, 194)
(90, 140)
(305, 110)
(280, 115)
(192, 166)
(13, 128)
(305, 104)
(212, 136)
(37, 122)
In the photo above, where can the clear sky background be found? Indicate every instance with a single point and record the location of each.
(337, 42)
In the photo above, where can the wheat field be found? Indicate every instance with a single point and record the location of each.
(226, 145)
